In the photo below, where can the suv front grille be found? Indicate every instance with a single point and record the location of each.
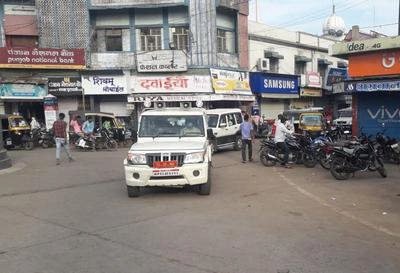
(151, 158)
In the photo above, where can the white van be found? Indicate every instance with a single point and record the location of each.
(225, 124)
(172, 149)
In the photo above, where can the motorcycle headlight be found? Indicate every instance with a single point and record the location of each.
(196, 157)
(137, 158)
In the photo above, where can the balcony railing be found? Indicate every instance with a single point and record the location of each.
(112, 60)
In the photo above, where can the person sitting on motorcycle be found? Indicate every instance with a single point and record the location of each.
(76, 126)
(34, 124)
(280, 137)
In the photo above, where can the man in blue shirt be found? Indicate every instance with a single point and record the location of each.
(247, 131)
(88, 126)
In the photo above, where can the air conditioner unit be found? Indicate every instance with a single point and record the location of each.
(263, 64)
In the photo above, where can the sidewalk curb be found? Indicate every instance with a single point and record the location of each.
(15, 168)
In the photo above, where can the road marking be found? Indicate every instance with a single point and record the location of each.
(335, 209)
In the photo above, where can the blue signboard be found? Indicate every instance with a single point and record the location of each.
(279, 84)
(335, 75)
(371, 86)
(14, 90)
(377, 113)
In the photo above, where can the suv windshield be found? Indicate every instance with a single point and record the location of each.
(212, 121)
(172, 126)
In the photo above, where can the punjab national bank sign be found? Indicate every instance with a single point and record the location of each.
(45, 58)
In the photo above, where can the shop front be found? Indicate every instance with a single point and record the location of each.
(310, 92)
(274, 92)
(25, 99)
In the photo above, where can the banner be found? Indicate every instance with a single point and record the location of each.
(375, 64)
(354, 47)
(46, 58)
(278, 85)
(308, 92)
(171, 84)
(372, 86)
(65, 86)
(230, 82)
(50, 105)
(162, 61)
(335, 75)
(104, 85)
(22, 91)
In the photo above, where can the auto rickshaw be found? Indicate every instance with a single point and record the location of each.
(312, 122)
(16, 132)
(107, 120)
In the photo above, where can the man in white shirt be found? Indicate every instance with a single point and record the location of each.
(280, 137)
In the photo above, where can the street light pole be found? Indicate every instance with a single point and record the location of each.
(5, 161)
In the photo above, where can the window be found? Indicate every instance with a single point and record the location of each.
(213, 121)
(180, 36)
(322, 70)
(226, 41)
(231, 120)
(21, 41)
(274, 65)
(171, 126)
(113, 40)
(150, 39)
(222, 121)
(239, 118)
(300, 68)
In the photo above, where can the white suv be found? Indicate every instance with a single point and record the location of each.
(225, 124)
(172, 149)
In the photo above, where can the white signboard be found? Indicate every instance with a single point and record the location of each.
(162, 61)
(104, 85)
(355, 47)
(50, 117)
(171, 84)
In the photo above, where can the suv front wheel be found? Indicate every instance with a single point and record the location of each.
(204, 189)
(238, 143)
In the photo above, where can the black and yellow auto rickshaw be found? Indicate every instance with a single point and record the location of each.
(101, 119)
(16, 132)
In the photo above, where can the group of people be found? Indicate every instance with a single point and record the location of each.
(282, 129)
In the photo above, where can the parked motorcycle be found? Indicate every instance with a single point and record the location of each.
(300, 151)
(105, 140)
(47, 139)
(323, 148)
(388, 148)
(362, 156)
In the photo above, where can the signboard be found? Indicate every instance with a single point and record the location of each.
(313, 79)
(65, 86)
(230, 82)
(278, 85)
(377, 113)
(338, 88)
(162, 61)
(50, 105)
(22, 91)
(375, 64)
(130, 3)
(104, 85)
(371, 86)
(355, 47)
(335, 75)
(211, 97)
(171, 84)
(45, 58)
(308, 92)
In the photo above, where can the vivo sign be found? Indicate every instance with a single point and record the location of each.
(384, 114)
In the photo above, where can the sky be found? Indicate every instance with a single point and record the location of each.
(309, 15)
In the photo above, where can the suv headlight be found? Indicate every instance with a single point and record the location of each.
(136, 158)
(196, 157)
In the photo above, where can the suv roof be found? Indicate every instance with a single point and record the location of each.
(223, 111)
(175, 111)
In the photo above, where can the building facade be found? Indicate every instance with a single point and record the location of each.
(127, 55)
(293, 68)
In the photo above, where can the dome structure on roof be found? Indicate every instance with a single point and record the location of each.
(334, 26)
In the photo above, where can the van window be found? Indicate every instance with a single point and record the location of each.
(231, 119)
(239, 118)
(212, 121)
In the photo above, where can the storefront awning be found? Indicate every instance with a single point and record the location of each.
(304, 59)
(272, 55)
(324, 62)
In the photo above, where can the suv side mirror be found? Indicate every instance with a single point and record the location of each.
(210, 134)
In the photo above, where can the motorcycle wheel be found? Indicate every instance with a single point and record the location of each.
(309, 160)
(325, 162)
(28, 145)
(337, 164)
(265, 160)
(381, 168)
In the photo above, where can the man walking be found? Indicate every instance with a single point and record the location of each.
(280, 137)
(60, 134)
(247, 131)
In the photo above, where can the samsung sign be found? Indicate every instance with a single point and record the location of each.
(372, 86)
(274, 85)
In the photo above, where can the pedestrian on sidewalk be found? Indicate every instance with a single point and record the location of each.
(247, 131)
(60, 134)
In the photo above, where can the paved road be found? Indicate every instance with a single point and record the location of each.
(77, 218)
